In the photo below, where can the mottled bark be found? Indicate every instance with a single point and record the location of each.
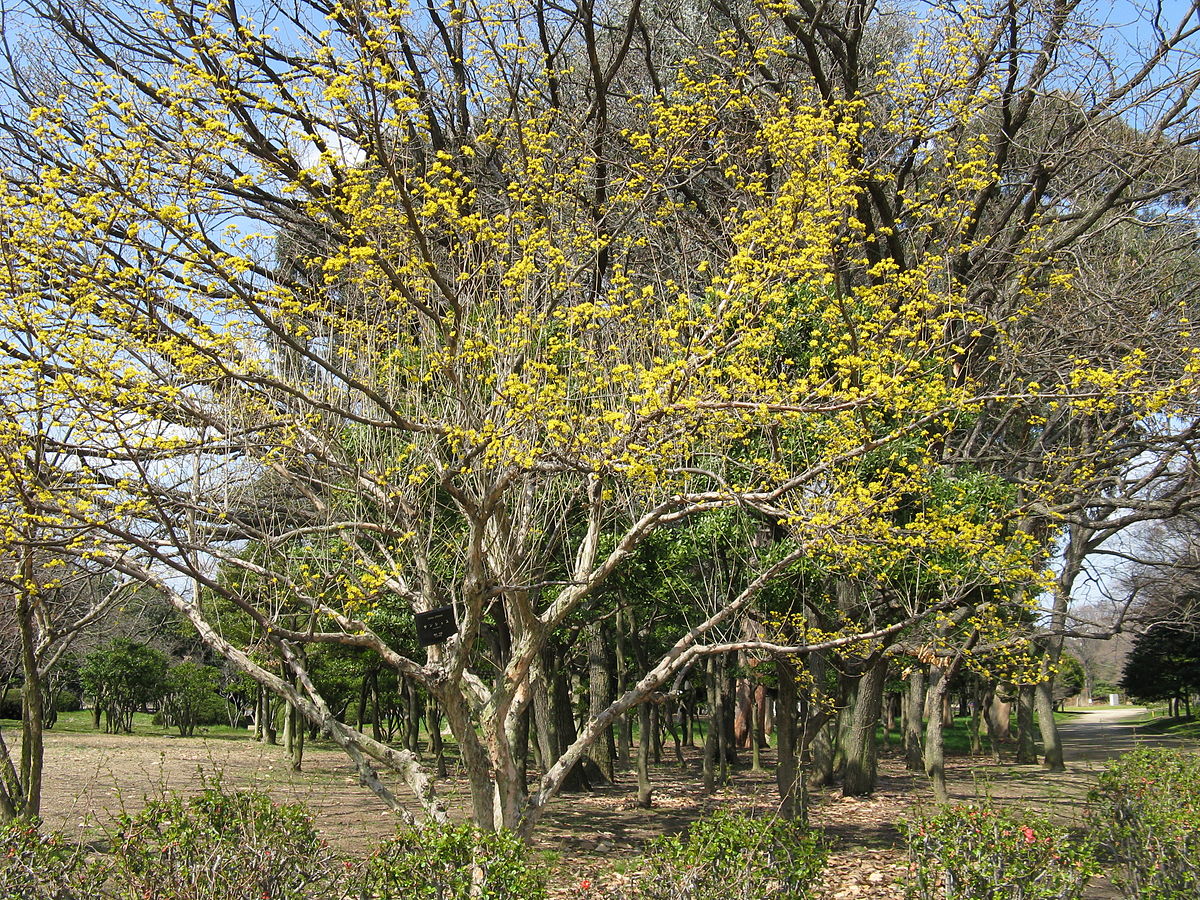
(645, 792)
(600, 675)
(1051, 742)
(999, 719)
(935, 756)
(32, 701)
(914, 707)
(1026, 752)
(861, 752)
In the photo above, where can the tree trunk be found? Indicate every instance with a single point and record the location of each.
(935, 751)
(756, 731)
(521, 746)
(296, 751)
(711, 740)
(364, 696)
(848, 688)
(260, 730)
(1026, 752)
(32, 704)
(988, 705)
(376, 729)
(675, 714)
(644, 793)
(976, 729)
(552, 716)
(935, 676)
(10, 784)
(726, 750)
(914, 707)
(824, 753)
(935, 755)
(1051, 743)
(412, 718)
(742, 714)
(824, 739)
(729, 746)
(289, 724)
(624, 724)
(786, 768)
(999, 720)
(433, 723)
(891, 701)
(473, 757)
(545, 727)
(600, 677)
(859, 776)
(560, 703)
(1074, 554)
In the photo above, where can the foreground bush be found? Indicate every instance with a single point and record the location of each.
(1145, 813)
(732, 857)
(452, 863)
(37, 866)
(975, 852)
(220, 845)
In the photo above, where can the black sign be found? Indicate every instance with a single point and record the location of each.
(435, 626)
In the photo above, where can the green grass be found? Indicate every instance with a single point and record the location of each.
(80, 722)
(1175, 727)
(956, 738)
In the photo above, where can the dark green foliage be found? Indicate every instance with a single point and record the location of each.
(37, 866)
(453, 863)
(240, 845)
(122, 678)
(221, 845)
(732, 857)
(977, 852)
(190, 698)
(1146, 814)
(1069, 679)
(10, 703)
(1163, 664)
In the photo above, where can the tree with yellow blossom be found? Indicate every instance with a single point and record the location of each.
(453, 308)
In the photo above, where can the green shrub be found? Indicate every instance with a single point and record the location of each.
(10, 704)
(1145, 812)
(732, 857)
(221, 845)
(190, 698)
(38, 866)
(976, 852)
(122, 678)
(452, 863)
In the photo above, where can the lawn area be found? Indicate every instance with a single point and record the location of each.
(80, 722)
(1177, 726)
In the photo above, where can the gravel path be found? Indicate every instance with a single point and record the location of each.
(1094, 735)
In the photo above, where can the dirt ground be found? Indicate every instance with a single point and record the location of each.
(90, 776)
